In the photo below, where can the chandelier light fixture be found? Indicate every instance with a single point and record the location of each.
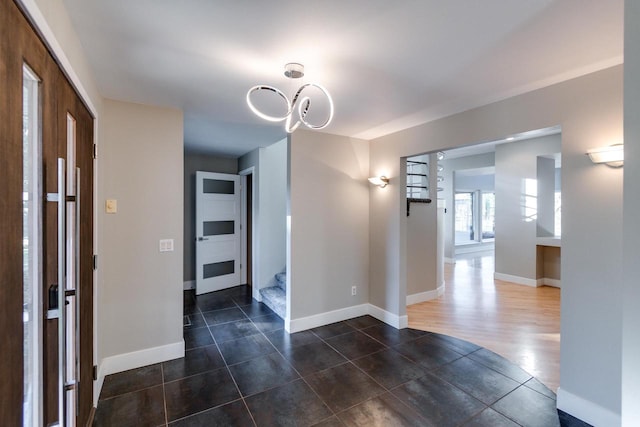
(300, 104)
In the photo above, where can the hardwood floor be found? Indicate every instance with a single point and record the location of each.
(518, 322)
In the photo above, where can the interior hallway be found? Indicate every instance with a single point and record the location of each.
(518, 322)
(241, 368)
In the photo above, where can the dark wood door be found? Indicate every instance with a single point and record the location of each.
(20, 48)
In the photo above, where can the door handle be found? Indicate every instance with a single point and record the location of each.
(200, 239)
(62, 277)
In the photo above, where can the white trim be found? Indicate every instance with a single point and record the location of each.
(97, 384)
(254, 241)
(449, 260)
(398, 322)
(586, 410)
(425, 296)
(135, 359)
(545, 281)
(189, 284)
(304, 323)
(516, 279)
(468, 248)
(243, 228)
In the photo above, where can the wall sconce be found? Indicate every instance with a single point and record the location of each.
(612, 155)
(380, 181)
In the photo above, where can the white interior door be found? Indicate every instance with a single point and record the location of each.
(217, 231)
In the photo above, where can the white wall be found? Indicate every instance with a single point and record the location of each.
(329, 223)
(631, 290)
(517, 203)
(270, 207)
(482, 182)
(589, 109)
(197, 162)
(421, 256)
(546, 177)
(273, 211)
(140, 305)
(54, 21)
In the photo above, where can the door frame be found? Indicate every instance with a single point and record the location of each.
(255, 290)
(37, 19)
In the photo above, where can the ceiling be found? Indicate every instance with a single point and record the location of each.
(388, 65)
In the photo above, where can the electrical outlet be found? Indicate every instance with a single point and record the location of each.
(354, 290)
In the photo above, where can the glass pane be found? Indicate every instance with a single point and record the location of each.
(215, 228)
(31, 230)
(218, 269)
(558, 214)
(464, 218)
(488, 216)
(217, 186)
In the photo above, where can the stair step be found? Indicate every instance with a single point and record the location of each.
(281, 280)
(276, 299)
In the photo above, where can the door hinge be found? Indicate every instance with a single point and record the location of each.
(95, 151)
(95, 372)
(95, 262)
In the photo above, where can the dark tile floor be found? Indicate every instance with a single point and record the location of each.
(242, 369)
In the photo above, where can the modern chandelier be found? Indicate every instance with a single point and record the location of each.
(299, 104)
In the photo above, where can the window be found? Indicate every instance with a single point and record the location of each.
(488, 216)
(474, 211)
(464, 218)
(31, 231)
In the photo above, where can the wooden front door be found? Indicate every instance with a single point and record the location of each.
(46, 229)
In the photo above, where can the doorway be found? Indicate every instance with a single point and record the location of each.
(46, 262)
(218, 242)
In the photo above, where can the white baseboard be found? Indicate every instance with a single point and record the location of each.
(425, 296)
(189, 284)
(304, 323)
(516, 279)
(398, 322)
(586, 410)
(474, 247)
(545, 281)
(449, 260)
(136, 359)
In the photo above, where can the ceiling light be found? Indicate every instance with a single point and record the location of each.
(612, 155)
(293, 70)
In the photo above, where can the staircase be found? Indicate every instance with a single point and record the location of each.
(275, 295)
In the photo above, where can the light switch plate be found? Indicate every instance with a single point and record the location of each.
(166, 245)
(111, 206)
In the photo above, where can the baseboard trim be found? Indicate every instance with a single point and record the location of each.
(304, 323)
(586, 410)
(135, 359)
(545, 281)
(425, 296)
(516, 279)
(449, 260)
(398, 322)
(189, 284)
(474, 247)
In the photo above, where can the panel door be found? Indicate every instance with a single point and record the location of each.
(217, 231)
